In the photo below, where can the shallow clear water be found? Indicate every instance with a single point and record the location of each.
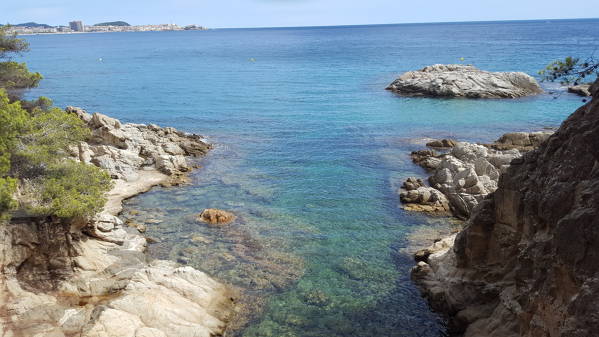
(309, 150)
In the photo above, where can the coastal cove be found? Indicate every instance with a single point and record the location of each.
(309, 151)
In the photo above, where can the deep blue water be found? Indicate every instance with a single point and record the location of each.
(309, 150)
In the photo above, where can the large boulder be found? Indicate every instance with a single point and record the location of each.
(468, 174)
(522, 141)
(455, 80)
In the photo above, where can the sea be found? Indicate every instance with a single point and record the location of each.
(309, 151)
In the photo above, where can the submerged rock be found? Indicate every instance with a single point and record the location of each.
(455, 80)
(526, 263)
(216, 216)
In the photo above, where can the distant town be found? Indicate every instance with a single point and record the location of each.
(80, 27)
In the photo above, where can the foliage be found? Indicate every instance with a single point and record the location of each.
(33, 144)
(8, 187)
(35, 173)
(10, 44)
(12, 123)
(50, 132)
(72, 189)
(570, 70)
(14, 76)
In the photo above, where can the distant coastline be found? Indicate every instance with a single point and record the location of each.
(77, 27)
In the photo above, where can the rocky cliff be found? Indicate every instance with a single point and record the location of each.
(527, 262)
(457, 80)
(90, 277)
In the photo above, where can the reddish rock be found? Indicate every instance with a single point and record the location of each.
(216, 216)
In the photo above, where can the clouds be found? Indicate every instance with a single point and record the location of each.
(268, 13)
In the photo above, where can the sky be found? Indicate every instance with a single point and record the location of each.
(287, 13)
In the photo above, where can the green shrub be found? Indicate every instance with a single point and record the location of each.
(33, 152)
(15, 76)
(8, 186)
(72, 189)
(34, 139)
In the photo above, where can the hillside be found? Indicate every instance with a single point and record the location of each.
(113, 23)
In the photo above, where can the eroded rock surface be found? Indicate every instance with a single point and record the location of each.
(455, 80)
(123, 149)
(90, 277)
(466, 174)
(418, 197)
(526, 264)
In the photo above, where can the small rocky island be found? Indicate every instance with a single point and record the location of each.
(456, 80)
(90, 277)
(525, 264)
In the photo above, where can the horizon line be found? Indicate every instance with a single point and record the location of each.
(362, 24)
(407, 23)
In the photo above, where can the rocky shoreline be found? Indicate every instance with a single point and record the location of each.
(525, 262)
(91, 277)
(462, 173)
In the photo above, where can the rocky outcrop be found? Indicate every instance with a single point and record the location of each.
(418, 197)
(91, 278)
(216, 216)
(521, 141)
(455, 80)
(580, 89)
(526, 264)
(466, 174)
(442, 143)
(124, 149)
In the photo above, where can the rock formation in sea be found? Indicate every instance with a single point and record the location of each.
(456, 80)
(466, 174)
(216, 216)
(527, 262)
(90, 277)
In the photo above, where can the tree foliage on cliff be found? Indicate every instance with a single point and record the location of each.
(571, 70)
(14, 76)
(35, 172)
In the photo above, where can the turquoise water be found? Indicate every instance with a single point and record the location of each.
(309, 151)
